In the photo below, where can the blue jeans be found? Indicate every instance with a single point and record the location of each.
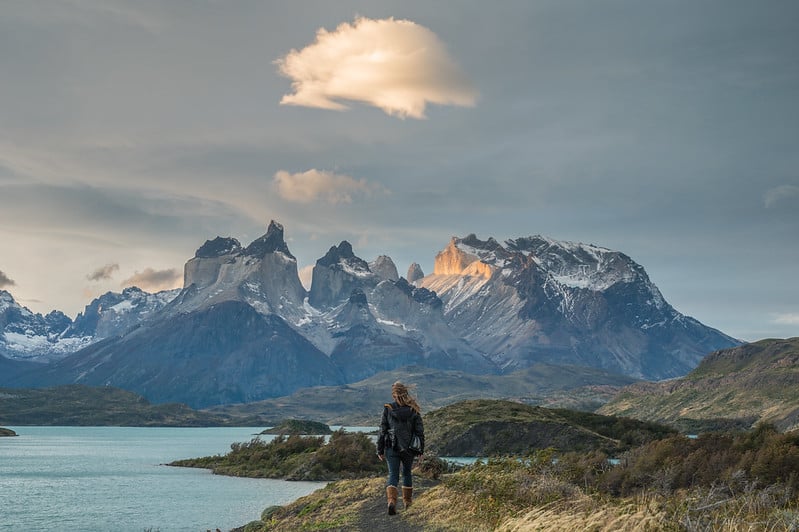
(394, 459)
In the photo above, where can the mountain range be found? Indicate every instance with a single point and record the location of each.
(244, 328)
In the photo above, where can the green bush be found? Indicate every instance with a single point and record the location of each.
(295, 457)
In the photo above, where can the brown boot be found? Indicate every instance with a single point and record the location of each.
(391, 496)
(407, 496)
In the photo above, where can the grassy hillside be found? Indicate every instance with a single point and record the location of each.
(757, 382)
(361, 403)
(744, 482)
(491, 427)
(90, 406)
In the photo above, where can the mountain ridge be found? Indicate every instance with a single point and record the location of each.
(752, 383)
(488, 308)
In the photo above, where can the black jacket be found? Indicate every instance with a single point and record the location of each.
(398, 426)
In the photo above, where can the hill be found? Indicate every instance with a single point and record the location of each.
(741, 386)
(88, 406)
(360, 403)
(490, 428)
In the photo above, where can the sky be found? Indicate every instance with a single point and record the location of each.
(133, 131)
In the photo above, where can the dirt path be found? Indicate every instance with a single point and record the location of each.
(374, 517)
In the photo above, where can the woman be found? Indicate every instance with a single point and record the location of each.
(402, 420)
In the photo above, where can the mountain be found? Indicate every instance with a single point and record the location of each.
(113, 313)
(86, 406)
(741, 386)
(374, 321)
(224, 353)
(244, 328)
(360, 403)
(25, 335)
(535, 299)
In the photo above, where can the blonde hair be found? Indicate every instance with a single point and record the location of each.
(402, 396)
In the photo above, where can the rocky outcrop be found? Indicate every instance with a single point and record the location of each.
(263, 275)
(385, 268)
(337, 274)
(414, 273)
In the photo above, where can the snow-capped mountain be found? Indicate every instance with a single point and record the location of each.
(113, 313)
(25, 335)
(244, 328)
(535, 299)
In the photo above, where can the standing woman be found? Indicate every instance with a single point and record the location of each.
(401, 421)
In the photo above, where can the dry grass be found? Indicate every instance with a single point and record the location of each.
(584, 513)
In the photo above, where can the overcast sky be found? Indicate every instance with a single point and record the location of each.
(133, 131)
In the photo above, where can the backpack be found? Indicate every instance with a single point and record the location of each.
(401, 434)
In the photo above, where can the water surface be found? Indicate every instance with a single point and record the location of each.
(111, 479)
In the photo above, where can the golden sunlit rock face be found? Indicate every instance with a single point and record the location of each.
(454, 261)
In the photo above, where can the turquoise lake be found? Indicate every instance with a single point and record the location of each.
(112, 479)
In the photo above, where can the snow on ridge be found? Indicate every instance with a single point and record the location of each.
(352, 270)
(123, 306)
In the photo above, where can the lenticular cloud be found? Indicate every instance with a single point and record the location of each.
(395, 65)
(314, 185)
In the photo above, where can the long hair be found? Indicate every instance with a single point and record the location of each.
(403, 397)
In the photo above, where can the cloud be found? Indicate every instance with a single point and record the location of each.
(314, 185)
(5, 280)
(103, 272)
(777, 194)
(395, 65)
(154, 280)
(790, 318)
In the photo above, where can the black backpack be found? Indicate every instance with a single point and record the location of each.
(402, 436)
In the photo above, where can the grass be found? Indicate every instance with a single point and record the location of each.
(739, 482)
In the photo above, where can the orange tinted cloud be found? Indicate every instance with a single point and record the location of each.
(396, 65)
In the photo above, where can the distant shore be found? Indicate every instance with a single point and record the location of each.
(7, 432)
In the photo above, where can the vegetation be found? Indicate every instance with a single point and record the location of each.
(299, 426)
(7, 432)
(295, 457)
(78, 405)
(723, 481)
(738, 387)
(490, 428)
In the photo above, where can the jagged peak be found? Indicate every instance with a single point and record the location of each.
(133, 291)
(469, 256)
(384, 267)
(539, 244)
(343, 255)
(271, 242)
(472, 241)
(420, 295)
(218, 247)
(414, 273)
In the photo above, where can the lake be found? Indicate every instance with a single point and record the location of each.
(111, 479)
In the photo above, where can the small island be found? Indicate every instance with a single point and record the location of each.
(7, 432)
